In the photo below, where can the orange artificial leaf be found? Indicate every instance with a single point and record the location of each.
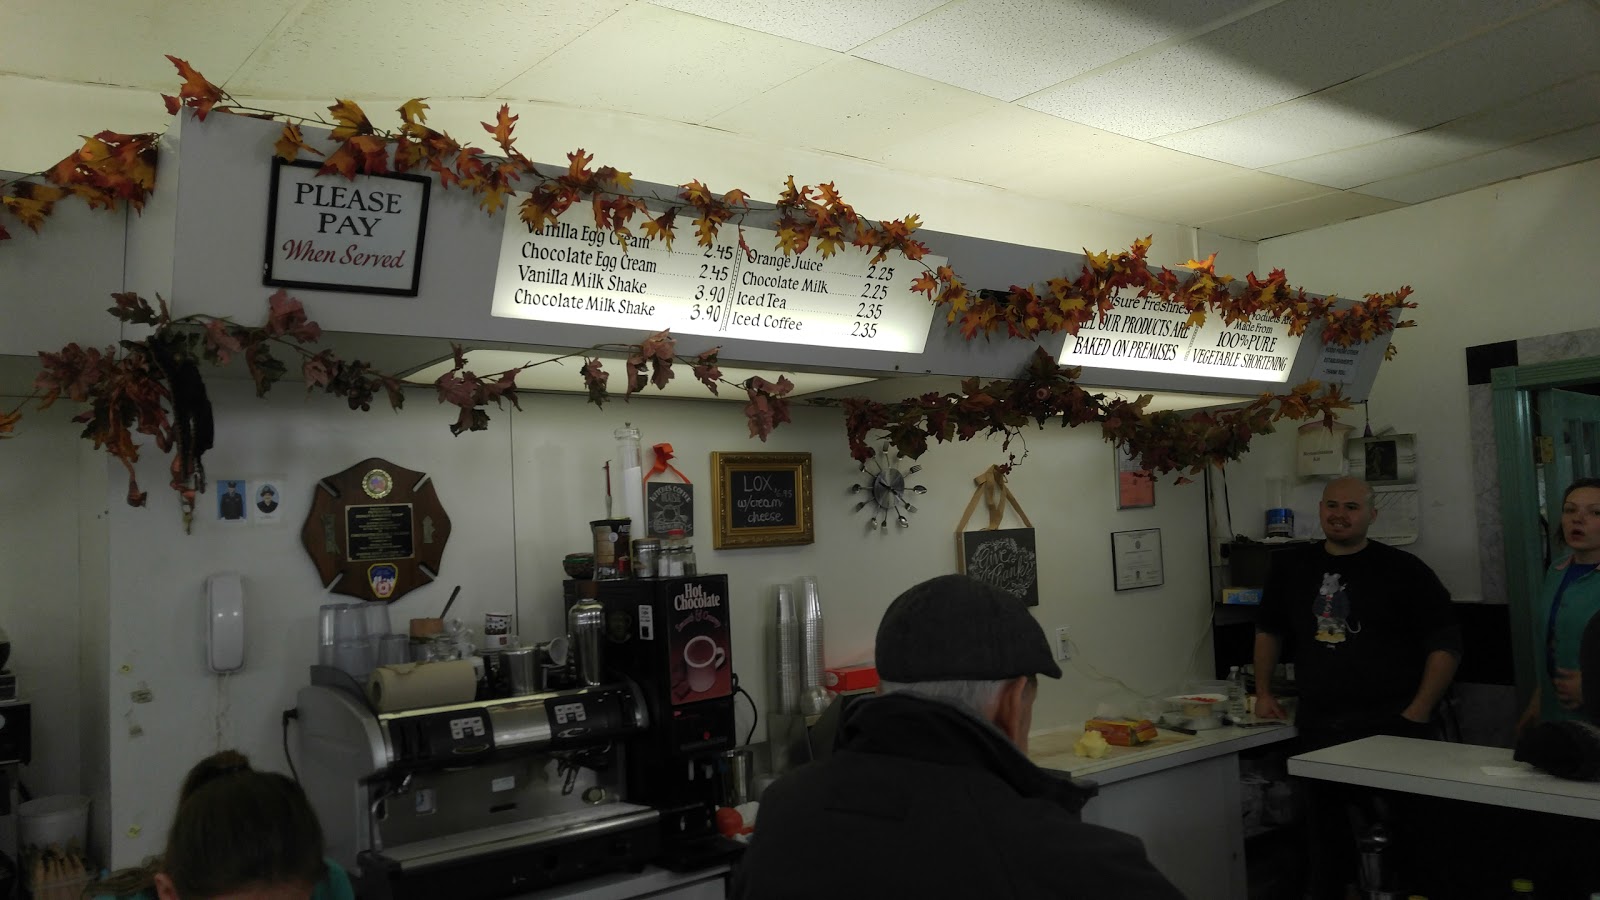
(352, 120)
(196, 92)
(925, 284)
(661, 227)
(9, 421)
(504, 122)
(1209, 264)
(344, 160)
(736, 197)
(291, 143)
(414, 112)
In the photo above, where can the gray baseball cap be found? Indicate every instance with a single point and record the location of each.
(955, 628)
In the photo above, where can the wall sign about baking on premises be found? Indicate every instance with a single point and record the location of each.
(361, 236)
(1145, 334)
(575, 273)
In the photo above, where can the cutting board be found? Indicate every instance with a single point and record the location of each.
(1060, 744)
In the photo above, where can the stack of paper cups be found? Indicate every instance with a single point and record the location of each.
(810, 633)
(786, 653)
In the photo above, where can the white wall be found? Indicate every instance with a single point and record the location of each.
(520, 496)
(1499, 263)
(39, 606)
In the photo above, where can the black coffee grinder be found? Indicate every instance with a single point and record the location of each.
(671, 636)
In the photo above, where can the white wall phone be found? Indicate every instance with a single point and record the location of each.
(225, 622)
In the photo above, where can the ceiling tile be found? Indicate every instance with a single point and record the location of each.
(1509, 62)
(852, 106)
(1209, 199)
(1313, 44)
(835, 24)
(1326, 209)
(1011, 48)
(124, 43)
(1550, 152)
(414, 48)
(1558, 109)
(1031, 153)
(650, 69)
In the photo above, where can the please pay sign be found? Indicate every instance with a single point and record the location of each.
(363, 235)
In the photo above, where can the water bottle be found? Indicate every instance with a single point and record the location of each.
(1236, 703)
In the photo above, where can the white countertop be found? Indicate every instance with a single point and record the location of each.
(1053, 750)
(625, 885)
(1453, 771)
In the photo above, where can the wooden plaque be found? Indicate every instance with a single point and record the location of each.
(376, 531)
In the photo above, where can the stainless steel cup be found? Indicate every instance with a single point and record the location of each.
(521, 669)
(737, 771)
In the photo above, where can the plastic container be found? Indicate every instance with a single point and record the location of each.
(57, 820)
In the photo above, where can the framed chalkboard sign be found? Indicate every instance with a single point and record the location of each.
(761, 499)
(1005, 558)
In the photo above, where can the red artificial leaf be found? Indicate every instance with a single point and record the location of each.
(594, 379)
(706, 369)
(318, 370)
(196, 92)
(220, 342)
(457, 389)
(134, 309)
(6, 235)
(286, 316)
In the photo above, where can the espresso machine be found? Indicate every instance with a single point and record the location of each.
(671, 638)
(474, 800)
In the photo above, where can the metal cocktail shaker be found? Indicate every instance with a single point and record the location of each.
(584, 621)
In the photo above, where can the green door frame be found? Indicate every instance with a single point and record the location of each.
(1519, 492)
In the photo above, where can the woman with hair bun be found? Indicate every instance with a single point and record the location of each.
(239, 834)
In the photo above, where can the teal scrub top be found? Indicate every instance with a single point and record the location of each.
(1580, 602)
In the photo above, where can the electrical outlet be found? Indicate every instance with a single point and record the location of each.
(1063, 644)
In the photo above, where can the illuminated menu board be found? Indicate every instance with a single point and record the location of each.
(1146, 334)
(575, 273)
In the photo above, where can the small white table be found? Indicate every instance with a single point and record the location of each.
(1451, 771)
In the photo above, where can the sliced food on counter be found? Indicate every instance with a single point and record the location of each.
(1123, 732)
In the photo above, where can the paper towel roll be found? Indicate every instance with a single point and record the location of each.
(415, 685)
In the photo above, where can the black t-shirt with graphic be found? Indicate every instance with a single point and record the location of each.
(1357, 627)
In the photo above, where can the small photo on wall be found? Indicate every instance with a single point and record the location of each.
(231, 500)
(267, 498)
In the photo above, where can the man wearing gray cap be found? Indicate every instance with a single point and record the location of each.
(929, 792)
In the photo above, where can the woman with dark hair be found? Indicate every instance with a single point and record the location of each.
(238, 834)
(1568, 602)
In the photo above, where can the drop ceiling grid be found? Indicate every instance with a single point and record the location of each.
(666, 64)
(1029, 152)
(852, 106)
(1518, 59)
(1325, 209)
(1550, 152)
(1008, 49)
(835, 24)
(413, 48)
(125, 44)
(1309, 45)
(1194, 202)
(1545, 112)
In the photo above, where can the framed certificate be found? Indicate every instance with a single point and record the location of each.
(1136, 559)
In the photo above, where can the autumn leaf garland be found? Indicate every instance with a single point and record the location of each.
(135, 388)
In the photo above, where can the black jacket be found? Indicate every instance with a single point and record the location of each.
(923, 800)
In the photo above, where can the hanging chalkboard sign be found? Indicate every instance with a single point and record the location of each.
(1006, 559)
(762, 499)
(669, 506)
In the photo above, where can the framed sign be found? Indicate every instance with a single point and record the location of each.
(1136, 559)
(376, 531)
(360, 236)
(761, 499)
(1005, 558)
(1136, 485)
(669, 506)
